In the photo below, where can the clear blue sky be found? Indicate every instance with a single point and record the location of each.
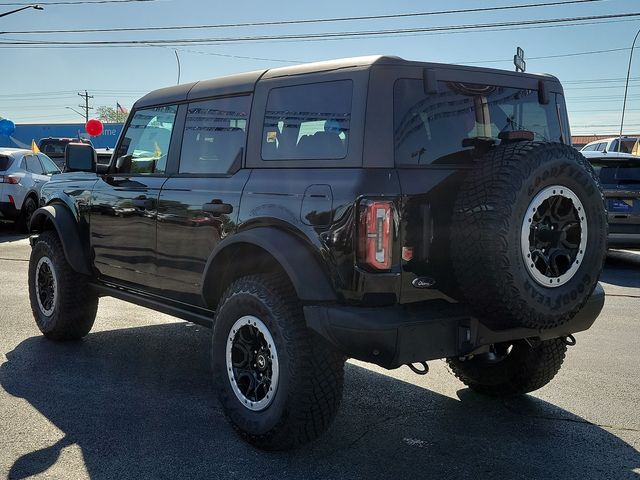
(37, 84)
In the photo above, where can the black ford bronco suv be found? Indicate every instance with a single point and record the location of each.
(375, 208)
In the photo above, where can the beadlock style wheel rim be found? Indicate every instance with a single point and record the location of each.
(554, 236)
(252, 363)
(46, 286)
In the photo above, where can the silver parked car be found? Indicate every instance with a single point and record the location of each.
(22, 174)
(611, 145)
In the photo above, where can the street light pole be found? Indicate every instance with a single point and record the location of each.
(35, 7)
(626, 88)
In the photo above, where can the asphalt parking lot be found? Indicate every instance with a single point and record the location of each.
(134, 400)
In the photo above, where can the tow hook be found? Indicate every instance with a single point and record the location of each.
(569, 340)
(420, 371)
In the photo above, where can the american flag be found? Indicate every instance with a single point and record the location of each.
(120, 108)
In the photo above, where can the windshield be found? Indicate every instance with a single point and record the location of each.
(433, 128)
(626, 146)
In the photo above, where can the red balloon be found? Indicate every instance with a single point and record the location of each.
(94, 127)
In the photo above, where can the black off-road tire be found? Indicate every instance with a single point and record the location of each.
(28, 207)
(311, 378)
(75, 306)
(486, 232)
(526, 368)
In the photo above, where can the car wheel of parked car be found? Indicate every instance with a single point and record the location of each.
(511, 368)
(279, 383)
(63, 304)
(529, 235)
(28, 207)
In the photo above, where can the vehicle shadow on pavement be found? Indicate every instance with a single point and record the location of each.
(139, 404)
(622, 269)
(9, 233)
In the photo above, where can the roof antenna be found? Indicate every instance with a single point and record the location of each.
(178, 60)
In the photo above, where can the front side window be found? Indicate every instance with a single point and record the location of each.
(49, 167)
(215, 134)
(444, 127)
(33, 165)
(145, 145)
(308, 122)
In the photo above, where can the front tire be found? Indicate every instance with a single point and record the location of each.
(63, 304)
(280, 385)
(511, 369)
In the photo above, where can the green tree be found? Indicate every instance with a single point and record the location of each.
(110, 115)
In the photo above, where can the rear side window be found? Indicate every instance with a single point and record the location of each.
(5, 163)
(308, 122)
(145, 145)
(443, 127)
(215, 134)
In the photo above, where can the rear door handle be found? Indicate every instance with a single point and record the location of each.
(143, 203)
(217, 208)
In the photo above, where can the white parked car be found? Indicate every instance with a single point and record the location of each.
(607, 145)
(22, 174)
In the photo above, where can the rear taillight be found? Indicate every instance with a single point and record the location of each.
(12, 179)
(375, 234)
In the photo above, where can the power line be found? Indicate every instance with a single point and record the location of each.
(81, 2)
(308, 21)
(40, 45)
(330, 35)
(574, 54)
(604, 111)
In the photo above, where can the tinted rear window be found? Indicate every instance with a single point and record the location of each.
(626, 172)
(5, 162)
(431, 128)
(53, 147)
(305, 122)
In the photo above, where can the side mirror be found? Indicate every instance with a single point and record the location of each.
(80, 157)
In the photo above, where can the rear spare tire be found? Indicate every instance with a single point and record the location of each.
(528, 236)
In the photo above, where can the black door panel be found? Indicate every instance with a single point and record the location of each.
(194, 214)
(123, 229)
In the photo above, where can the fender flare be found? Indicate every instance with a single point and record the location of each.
(66, 226)
(296, 258)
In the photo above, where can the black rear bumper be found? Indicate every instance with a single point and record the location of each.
(393, 336)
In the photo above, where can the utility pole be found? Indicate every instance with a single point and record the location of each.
(86, 106)
(626, 88)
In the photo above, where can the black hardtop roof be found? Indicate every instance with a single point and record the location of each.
(245, 82)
